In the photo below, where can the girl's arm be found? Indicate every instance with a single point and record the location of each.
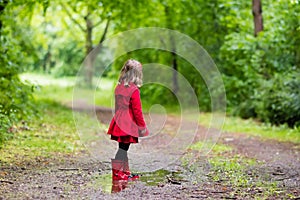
(137, 112)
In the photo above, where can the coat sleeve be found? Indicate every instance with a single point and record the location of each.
(137, 113)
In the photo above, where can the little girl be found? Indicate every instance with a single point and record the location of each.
(128, 122)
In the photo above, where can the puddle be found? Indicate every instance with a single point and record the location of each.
(160, 176)
(104, 181)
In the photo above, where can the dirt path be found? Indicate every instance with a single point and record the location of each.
(82, 177)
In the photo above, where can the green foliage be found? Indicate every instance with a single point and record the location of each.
(16, 101)
(279, 101)
(70, 57)
(4, 128)
(152, 94)
(257, 70)
(240, 72)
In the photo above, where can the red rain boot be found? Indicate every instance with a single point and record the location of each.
(131, 177)
(118, 170)
(118, 186)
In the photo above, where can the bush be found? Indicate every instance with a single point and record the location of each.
(279, 99)
(16, 101)
(241, 63)
(260, 78)
(259, 72)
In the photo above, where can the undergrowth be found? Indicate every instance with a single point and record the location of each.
(52, 132)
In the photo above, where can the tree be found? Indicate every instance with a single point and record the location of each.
(88, 15)
(258, 18)
(89, 24)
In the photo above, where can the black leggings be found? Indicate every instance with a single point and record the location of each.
(122, 151)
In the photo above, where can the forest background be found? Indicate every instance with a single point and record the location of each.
(256, 52)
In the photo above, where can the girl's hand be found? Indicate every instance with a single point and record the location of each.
(143, 133)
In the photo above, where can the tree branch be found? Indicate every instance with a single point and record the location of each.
(72, 18)
(97, 24)
(105, 31)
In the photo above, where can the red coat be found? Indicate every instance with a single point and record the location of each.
(128, 118)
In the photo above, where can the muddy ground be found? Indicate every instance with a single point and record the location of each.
(79, 176)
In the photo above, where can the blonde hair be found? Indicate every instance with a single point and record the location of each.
(131, 72)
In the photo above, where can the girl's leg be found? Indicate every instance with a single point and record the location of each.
(122, 151)
(121, 156)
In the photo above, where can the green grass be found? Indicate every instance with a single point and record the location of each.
(52, 132)
(64, 90)
(255, 128)
(231, 170)
(66, 95)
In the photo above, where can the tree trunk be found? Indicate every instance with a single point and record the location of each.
(175, 78)
(173, 53)
(89, 48)
(257, 15)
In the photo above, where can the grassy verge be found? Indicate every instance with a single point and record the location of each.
(50, 134)
(255, 128)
